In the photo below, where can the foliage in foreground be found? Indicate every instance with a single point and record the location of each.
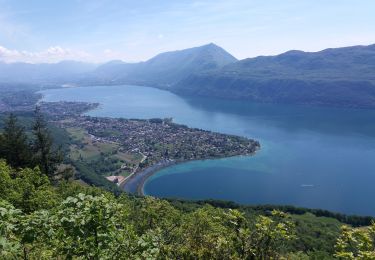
(39, 221)
(358, 243)
(99, 227)
(71, 221)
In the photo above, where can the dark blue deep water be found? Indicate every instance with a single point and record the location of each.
(311, 156)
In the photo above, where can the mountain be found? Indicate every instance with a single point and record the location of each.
(43, 72)
(166, 68)
(336, 77)
(170, 67)
(339, 77)
(113, 71)
(163, 70)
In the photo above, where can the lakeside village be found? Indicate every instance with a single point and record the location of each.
(120, 148)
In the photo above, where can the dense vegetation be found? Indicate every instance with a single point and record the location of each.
(71, 220)
(19, 141)
(352, 220)
(20, 152)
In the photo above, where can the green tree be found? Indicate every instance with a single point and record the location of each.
(207, 233)
(14, 146)
(45, 156)
(6, 182)
(271, 235)
(37, 234)
(33, 191)
(10, 248)
(158, 224)
(267, 238)
(93, 228)
(26, 189)
(356, 243)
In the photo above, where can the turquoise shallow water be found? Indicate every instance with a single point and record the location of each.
(310, 156)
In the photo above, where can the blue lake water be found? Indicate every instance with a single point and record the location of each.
(310, 156)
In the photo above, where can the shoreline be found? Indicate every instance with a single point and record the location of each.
(172, 171)
(139, 178)
(142, 176)
(141, 185)
(135, 183)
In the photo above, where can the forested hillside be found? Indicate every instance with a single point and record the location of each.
(163, 70)
(337, 77)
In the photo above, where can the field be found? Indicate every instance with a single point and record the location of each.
(106, 158)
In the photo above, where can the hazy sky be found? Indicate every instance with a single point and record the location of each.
(100, 30)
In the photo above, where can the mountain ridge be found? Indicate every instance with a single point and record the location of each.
(166, 69)
(334, 76)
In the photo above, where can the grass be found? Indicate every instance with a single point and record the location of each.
(89, 150)
(107, 147)
(132, 158)
(123, 173)
(77, 134)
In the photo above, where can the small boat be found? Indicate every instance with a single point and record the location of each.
(307, 185)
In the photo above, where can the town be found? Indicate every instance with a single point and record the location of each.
(133, 145)
(160, 139)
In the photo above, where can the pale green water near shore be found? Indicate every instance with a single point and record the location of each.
(310, 156)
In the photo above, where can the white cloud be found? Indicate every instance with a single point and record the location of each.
(50, 55)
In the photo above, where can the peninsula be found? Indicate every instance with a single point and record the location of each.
(123, 149)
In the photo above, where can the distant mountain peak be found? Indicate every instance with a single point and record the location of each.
(211, 45)
(115, 62)
(165, 69)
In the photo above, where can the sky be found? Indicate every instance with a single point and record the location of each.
(102, 30)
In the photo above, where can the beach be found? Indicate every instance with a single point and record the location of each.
(135, 183)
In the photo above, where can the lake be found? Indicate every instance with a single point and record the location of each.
(314, 157)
